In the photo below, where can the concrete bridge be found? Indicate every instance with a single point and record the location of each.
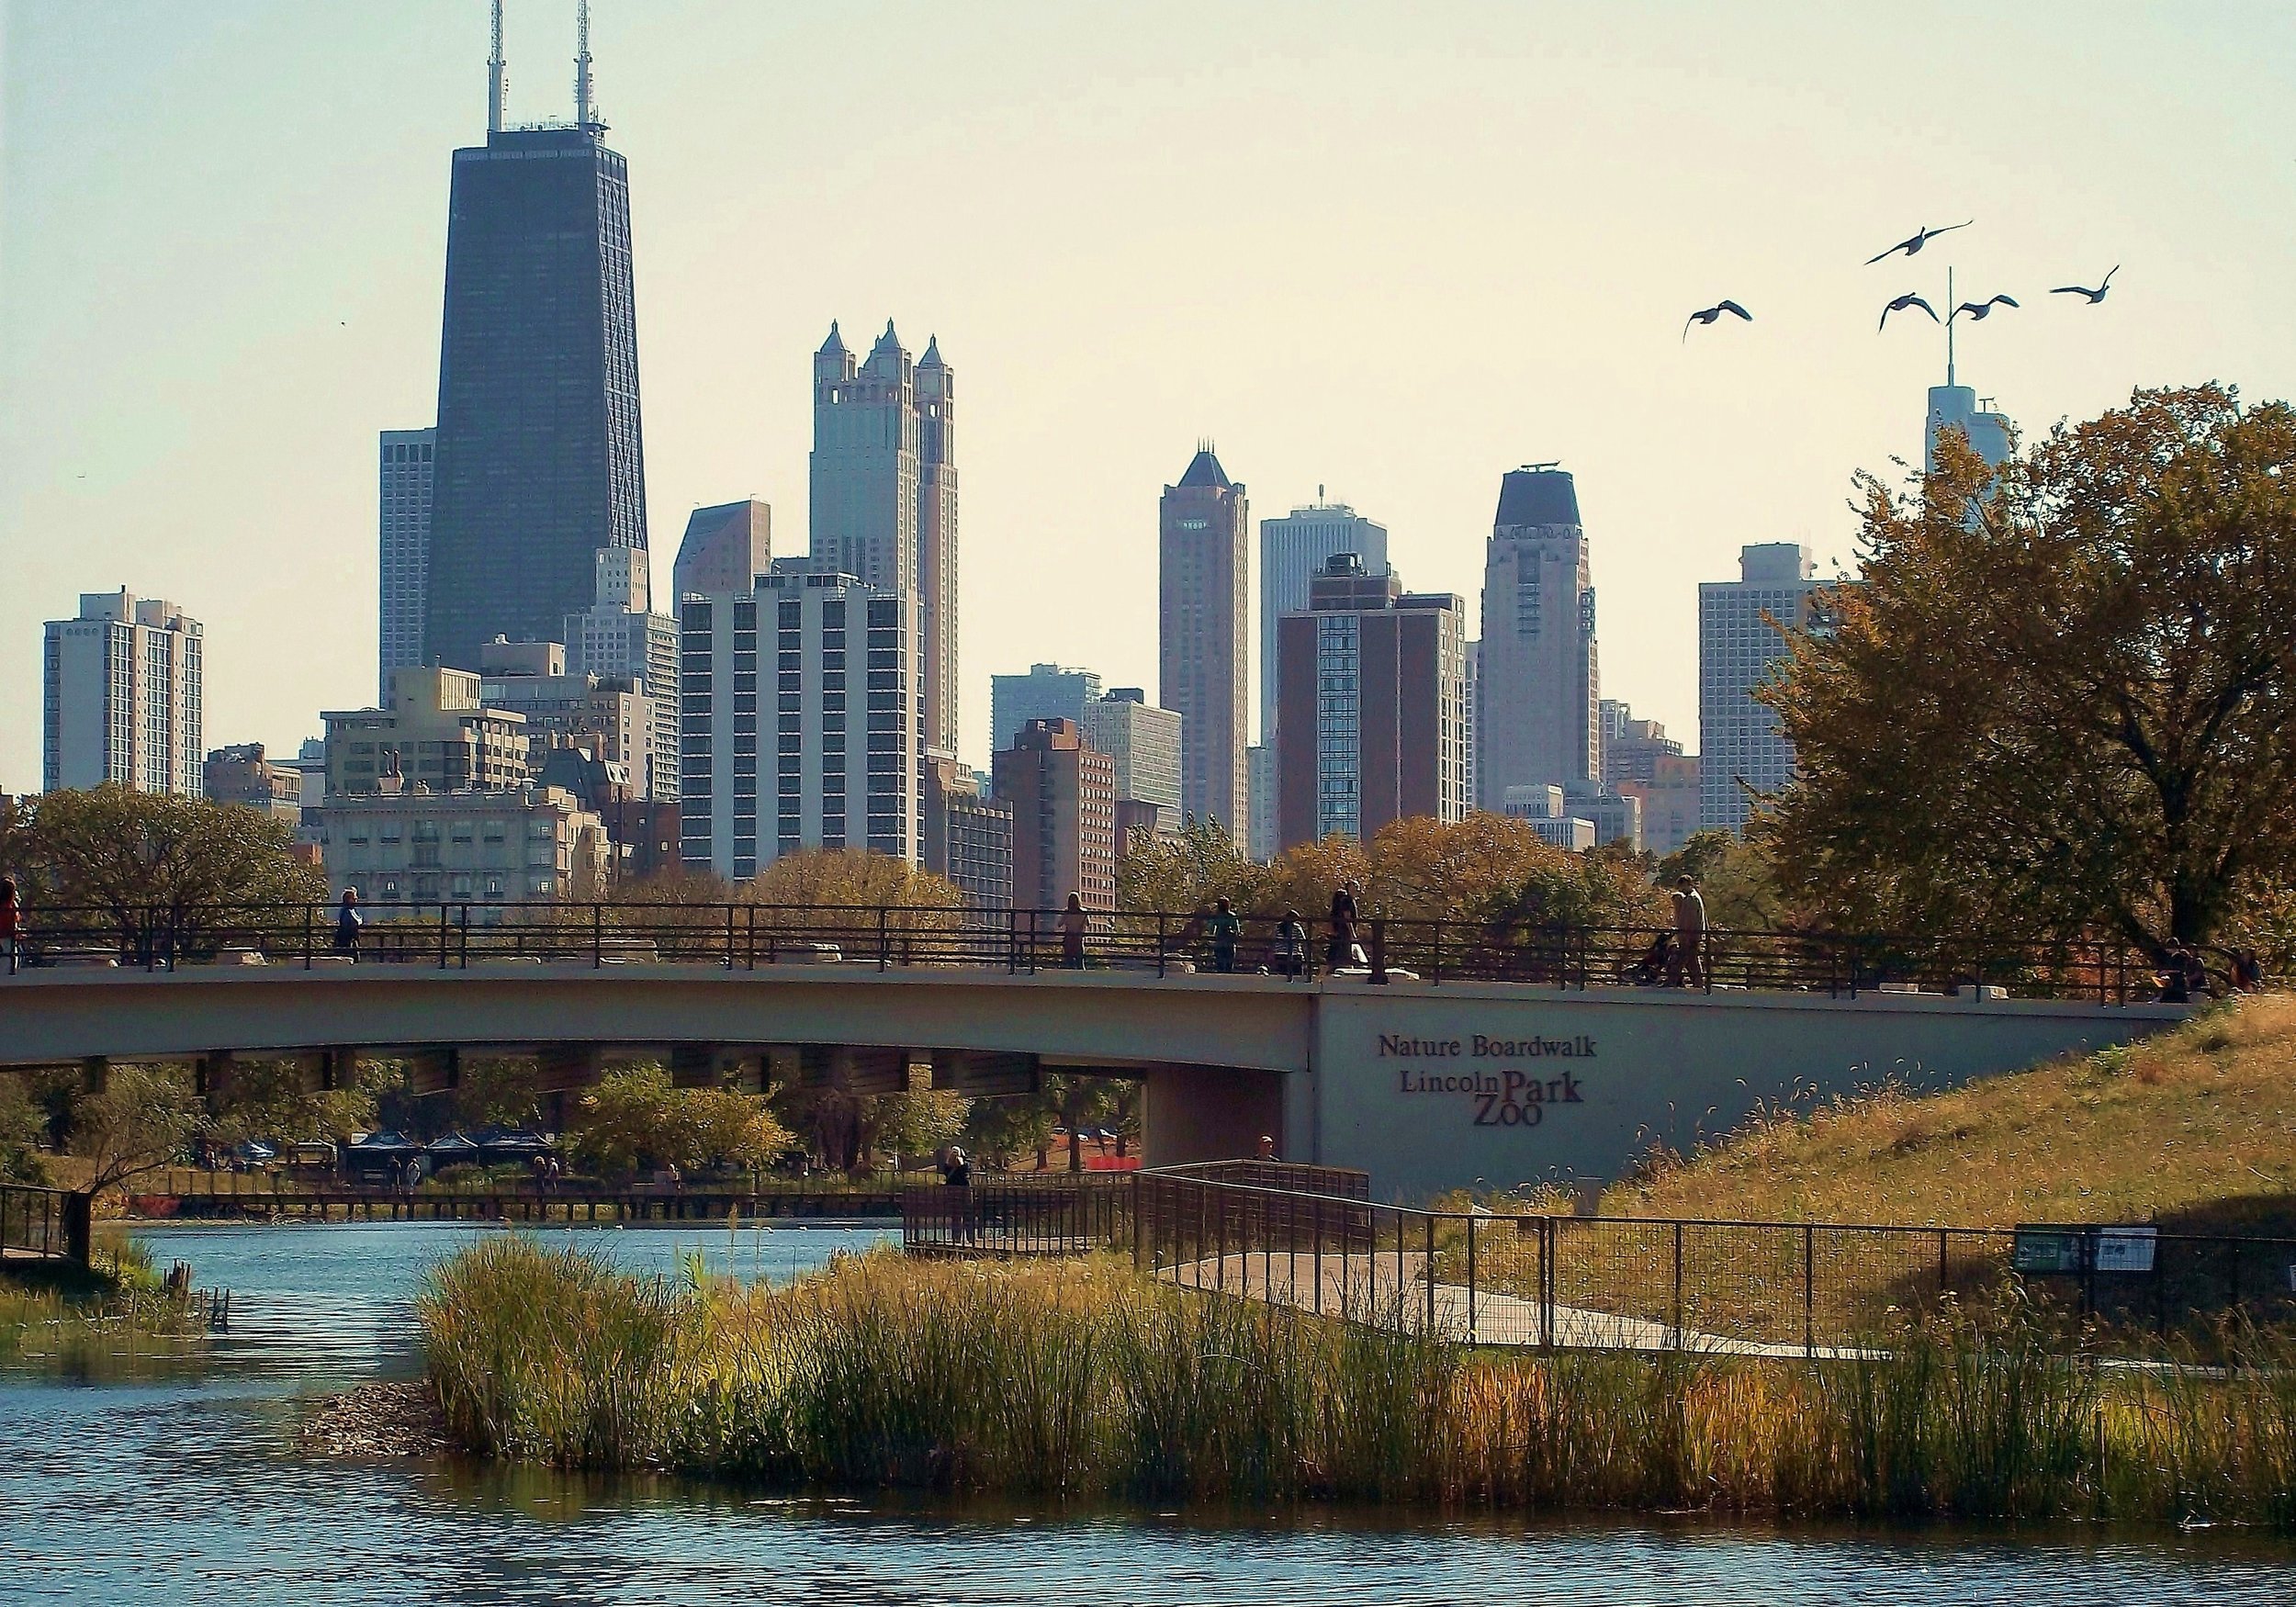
(1426, 1086)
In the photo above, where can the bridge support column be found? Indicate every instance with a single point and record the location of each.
(434, 1071)
(714, 1066)
(96, 1073)
(1210, 1113)
(979, 1075)
(211, 1076)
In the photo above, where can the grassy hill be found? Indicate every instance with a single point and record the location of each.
(2194, 1130)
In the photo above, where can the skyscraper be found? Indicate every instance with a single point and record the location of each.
(1537, 683)
(1204, 572)
(1739, 744)
(726, 548)
(1143, 743)
(1373, 724)
(405, 505)
(1954, 407)
(1063, 793)
(883, 503)
(122, 698)
(539, 458)
(1049, 691)
(1293, 551)
(621, 639)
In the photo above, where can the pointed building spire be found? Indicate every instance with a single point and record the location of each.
(498, 76)
(835, 343)
(582, 118)
(931, 359)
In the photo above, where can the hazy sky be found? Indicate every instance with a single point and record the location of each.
(1393, 249)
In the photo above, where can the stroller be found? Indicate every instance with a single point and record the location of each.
(1650, 970)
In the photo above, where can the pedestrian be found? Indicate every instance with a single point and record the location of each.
(1291, 945)
(1686, 963)
(1342, 945)
(2246, 970)
(1074, 925)
(347, 924)
(956, 1169)
(2175, 976)
(2196, 975)
(1265, 1149)
(11, 924)
(1226, 926)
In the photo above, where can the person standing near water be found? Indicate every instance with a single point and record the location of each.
(347, 924)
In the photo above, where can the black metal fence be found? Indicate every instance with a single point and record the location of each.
(44, 1223)
(1594, 1283)
(453, 935)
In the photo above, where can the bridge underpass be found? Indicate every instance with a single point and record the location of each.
(1427, 1088)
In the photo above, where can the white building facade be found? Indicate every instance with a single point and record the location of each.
(405, 503)
(1144, 743)
(799, 725)
(1293, 551)
(122, 700)
(516, 845)
(621, 639)
(1740, 745)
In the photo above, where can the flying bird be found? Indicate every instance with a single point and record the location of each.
(1926, 235)
(2094, 296)
(1908, 299)
(1980, 310)
(1707, 315)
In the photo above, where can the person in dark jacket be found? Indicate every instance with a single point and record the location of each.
(347, 923)
(1343, 944)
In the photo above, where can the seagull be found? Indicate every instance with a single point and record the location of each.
(1912, 246)
(2094, 296)
(1908, 299)
(1979, 310)
(1707, 315)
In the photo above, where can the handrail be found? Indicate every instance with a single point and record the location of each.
(451, 934)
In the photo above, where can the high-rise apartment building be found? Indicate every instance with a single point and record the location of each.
(1063, 793)
(540, 460)
(405, 503)
(968, 835)
(1632, 748)
(838, 722)
(1204, 579)
(1373, 723)
(122, 699)
(883, 504)
(1293, 551)
(1739, 742)
(559, 706)
(1670, 803)
(1049, 691)
(724, 549)
(1259, 767)
(1538, 682)
(241, 775)
(1143, 743)
(625, 644)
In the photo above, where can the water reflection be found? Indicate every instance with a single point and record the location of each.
(187, 1489)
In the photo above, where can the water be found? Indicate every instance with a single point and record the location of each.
(188, 1490)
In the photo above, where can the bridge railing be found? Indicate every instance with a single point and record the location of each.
(456, 935)
(44, 1223)
(1006, 1216)
(1742, 1287)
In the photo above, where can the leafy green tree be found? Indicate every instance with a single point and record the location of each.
(147, 862)
(1735, 877)
(844, 1131)
(1003, 1129)
(636, 1119)
(143, 1118)
(1188, 870)
(22, 1125)
(281, 1100)
(2064, 697)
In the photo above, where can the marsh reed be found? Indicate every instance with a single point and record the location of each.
(1080, 1380)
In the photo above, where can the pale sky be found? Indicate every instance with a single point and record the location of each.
(1393, 249)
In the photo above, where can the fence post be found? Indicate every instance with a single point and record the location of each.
(1678, 1286)
(1810, 1290)
(1431, 1278)
(1470, 1275)
(729, 936)
(309, 918)
(750, 943)
(1436, 967)
(883, 951)
(462, 938)
(597, 937)
(441, 936)
(1547, 1246)
(1379, 949)
(1159, 943)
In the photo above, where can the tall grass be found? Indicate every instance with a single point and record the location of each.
(1081, 1380)
(81, 1317)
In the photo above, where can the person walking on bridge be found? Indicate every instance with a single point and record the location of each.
(1226, 926)
(11, 924)
(1342, 951)
(1686, 964)
(347, 924)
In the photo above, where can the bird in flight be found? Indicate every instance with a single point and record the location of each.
(2094, 296)
(1979, 310)
(1708, 314)
(1908, 299)
(1913, 246)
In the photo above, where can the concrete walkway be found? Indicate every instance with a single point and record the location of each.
(1392, 1291)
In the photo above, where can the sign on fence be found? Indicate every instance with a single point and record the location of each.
(2070, 1250)
(2126, 1249)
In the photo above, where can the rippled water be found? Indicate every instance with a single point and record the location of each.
(188, 1491)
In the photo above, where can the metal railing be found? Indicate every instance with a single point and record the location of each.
(458, 935)
(44, 1223)
(1742, 1287)
(1017, 1217)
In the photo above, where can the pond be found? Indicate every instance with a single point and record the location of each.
(188, 1488)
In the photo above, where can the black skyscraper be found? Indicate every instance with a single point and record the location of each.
(539, 460)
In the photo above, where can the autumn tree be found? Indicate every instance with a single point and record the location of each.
(278, 1099)
(148, 864)
(141, 1119)
(637, 1118)
(2064, 697)
(1188, 870)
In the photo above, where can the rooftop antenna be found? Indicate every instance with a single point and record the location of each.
(1949, 327)
(498, 76)
(582, 66)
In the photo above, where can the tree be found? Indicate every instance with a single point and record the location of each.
(1004, 1129)
(275, 1099)
(1188, 870)
(845, 1128)
(2064, 697)
(636, 1118)
(851, 876)
(151, 863)
(22, 1123)
(1735, 877)
(141, 1119)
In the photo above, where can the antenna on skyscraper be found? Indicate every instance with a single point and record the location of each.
(1949, 325)
(581, 66)
(498, 76)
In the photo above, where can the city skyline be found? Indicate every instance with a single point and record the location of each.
(240, 370)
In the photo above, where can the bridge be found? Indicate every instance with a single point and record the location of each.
(1493, 1059)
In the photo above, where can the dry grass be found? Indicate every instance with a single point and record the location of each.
(2195, 1129)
